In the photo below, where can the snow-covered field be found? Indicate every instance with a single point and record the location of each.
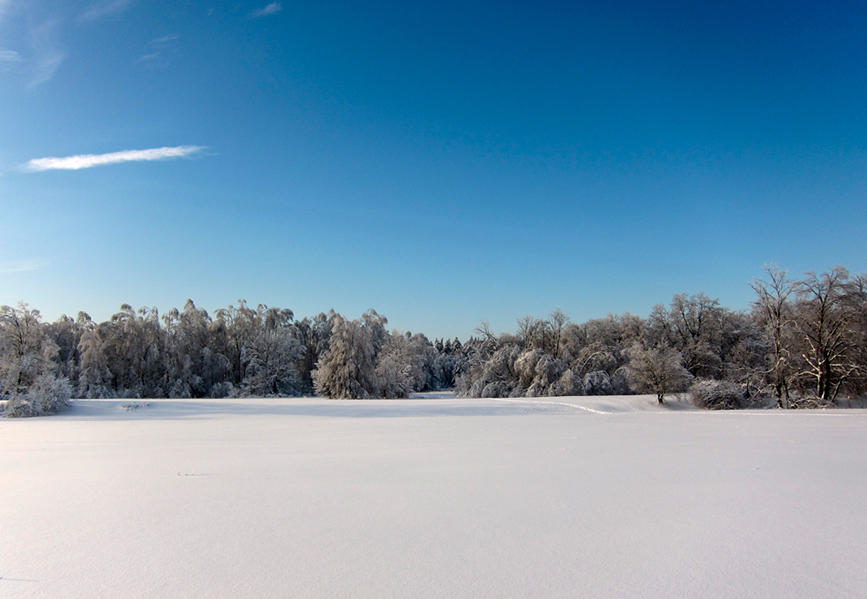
(432, 497)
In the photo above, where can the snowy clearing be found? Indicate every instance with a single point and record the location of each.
(432, 497)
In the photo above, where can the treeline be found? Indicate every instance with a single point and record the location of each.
(803, 343)
(240, 351)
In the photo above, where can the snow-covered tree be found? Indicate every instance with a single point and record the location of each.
(133, 345)
(826, 326)
(94, 379)
(47, 394)
(658, 370)
(26, 349)
(314, 334)
(347, 369)
(692, 325)
(30, 376)
(272, 354)
(775, 316)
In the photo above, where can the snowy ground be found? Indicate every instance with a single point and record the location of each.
(438, 497)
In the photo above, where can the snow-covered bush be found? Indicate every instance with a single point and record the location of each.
(492, 375)
(180, 390)
(718, 395)
(47, 395)
(620, 381)
(568, 384)
(812, 402)
(597, 383)
(223, 389)
(495, 389)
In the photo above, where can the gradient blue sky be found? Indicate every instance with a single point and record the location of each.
(442, 162)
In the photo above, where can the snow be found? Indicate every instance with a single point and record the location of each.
(438, 497)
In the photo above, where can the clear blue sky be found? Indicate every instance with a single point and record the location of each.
(442, 162)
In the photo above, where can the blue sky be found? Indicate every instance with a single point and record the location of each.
(441, 162)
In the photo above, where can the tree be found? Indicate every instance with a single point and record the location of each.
(557, 320)
(30, 378)
(314, 334)
(133, 345)
(236, 327)
(66, 333)
(657, 369)
(692, 325)
(775, 315)
(856, 300)
(824, 322)
(26, 350)
(194, 362)
(94, 379)
(271, 355)
(347, 369)
(394, 377)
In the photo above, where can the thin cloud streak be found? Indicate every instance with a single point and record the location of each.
(164, 39)
(9, 56)
(80, 161)
(46, 67)
(48, 57)
(160, 52)
(105, 9)
(269, 9)
(8, 268)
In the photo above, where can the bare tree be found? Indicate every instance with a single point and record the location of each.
(532, 332)
(557, 320)
(776, 317)
(824, 323)
(693, 325)
(657, 369)
(856, 300)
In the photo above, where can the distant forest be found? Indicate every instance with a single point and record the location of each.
(803, 343)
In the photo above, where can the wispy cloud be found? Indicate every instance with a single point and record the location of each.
(160, 51)
(106, 8)
(80, 161)
(161, 41)
(47, 56)
(12, 267)
(269, 9)
(46, 67)
(9, 56)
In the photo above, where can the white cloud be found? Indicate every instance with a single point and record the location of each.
(80, 161)
(164, 40)
(8, 268)
(46, 67)
(99, 10)
(47, 55)
(9, 56)
(148, 57)
(160, 51)
(269, 9)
